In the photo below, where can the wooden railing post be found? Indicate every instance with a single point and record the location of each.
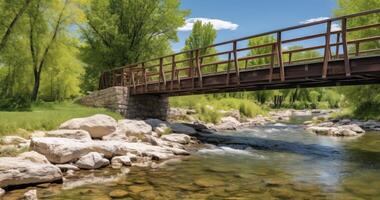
(272, 63)
(337, 46)
(279, 56)
(198, 64)
(173, 72)
(345, 48)
(145, 78)
(236, 63)
(162, 74)
(191, 69)
(228, 69)
(327, 50)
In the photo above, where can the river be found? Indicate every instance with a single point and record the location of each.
(277, 161)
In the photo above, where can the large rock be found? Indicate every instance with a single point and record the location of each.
(97, 125)
(177, 138)
(11, 139)
(30, 195)
(134, 127)
(228, 123)
(175, 127)
(71, 134)
(18, 171)
(345, 130)
(119, 161)
(34, 157)
(2, 192)
(63, 150)
(181, 128)
(92, 160)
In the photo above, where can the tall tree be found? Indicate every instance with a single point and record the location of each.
(9, 29)
(202, 35)
(364, 99)
(120, 32)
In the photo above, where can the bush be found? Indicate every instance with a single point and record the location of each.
(249, 109)
(16, 103)
(208, 115)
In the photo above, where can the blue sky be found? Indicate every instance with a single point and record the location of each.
(248, 17)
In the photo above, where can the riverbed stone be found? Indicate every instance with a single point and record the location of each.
(97, 125)
(139, 188)
(92, 160)
(208, 182)
(30, 195)
(177, 138)
(118, 193)
(120, 161)
(18, 171)
(67, 167)
(71, 134)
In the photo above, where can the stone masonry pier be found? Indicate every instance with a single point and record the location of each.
(132, 107)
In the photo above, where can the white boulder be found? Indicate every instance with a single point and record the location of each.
(11, 139)
(97, 125)
(177, 138)
(30, 195)
(18, 171)
(133, 127)
(119, 161)
(92, 160)
(2, 192)
(34, 157)
(63, 150)
(71, 134)
(228, 123)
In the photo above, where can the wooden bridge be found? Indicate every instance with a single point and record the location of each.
(342, 56)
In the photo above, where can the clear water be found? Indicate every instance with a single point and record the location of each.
(273, 162)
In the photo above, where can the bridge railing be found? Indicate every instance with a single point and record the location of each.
(262, 50)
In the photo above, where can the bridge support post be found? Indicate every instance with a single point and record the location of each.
(118, 99)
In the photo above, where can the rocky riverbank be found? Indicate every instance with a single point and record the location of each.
(91, 143)
(100, 141)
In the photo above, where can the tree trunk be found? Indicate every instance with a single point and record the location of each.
(36, 87)
(9, 30)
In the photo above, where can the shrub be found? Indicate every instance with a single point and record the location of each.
(16, 103)
(249, 109)
(208, 115)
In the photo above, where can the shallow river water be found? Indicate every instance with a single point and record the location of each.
(281, 162)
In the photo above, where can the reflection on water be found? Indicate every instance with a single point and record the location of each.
(273, 162)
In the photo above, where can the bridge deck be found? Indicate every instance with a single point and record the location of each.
(263, 66)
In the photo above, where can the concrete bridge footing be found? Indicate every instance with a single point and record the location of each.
(119, 100)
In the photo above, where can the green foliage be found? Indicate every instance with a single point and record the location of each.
(16, 103)
(208, 107)
(120, 32)
(208, 114)
(361, 101)
(46, 116)
(249, 109)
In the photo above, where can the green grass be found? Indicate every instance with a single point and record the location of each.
(45, 116)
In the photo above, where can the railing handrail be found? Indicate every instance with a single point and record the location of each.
(252, 36)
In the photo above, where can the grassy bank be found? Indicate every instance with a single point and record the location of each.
(45, 116)
(208, 109)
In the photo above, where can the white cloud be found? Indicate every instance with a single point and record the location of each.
(217, 23)
(314, 20)
(334, 26)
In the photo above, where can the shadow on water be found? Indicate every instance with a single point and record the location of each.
(361, 157)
